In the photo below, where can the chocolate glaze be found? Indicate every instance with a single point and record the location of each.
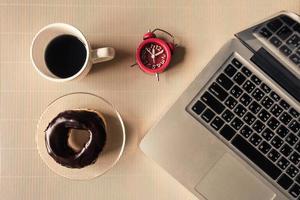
(57, 133)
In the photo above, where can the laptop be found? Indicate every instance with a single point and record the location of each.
(234, 133)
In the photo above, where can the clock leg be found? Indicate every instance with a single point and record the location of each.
(133, 65)
(157, 76)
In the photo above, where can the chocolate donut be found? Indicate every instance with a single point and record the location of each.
(57, 134)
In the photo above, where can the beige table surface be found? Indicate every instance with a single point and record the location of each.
(201, 26)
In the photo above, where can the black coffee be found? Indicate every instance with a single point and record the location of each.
(65, 56)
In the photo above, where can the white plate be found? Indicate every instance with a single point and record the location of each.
(115, 140)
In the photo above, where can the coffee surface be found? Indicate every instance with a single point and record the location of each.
(65, 55)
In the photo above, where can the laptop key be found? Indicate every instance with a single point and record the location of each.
(285, 182)
(284, 104)
(265, 32)
(265, 88)
(236, 91)
(264, 147)
(208, 115)
(240, 110)
(288, 20)
(246, 71)
(248, 86)
(283, 163)
(275, 41)
(213, 103)
(230, 102)
(276, 142)
(273, 123)
(198, 107)
(227, 115)
(285, 50)
(249, 118)
(254, 107)
(297, 147)
(256, 157)
(246, 131)
(258, 94)
(230, 70)
(294, 112)
(284, 32)
(293, 41)
(273, 155)
(236, 63)
(255, 79)
(291, 139)
(274, 25)
(295, 158)
(245, 99)
(217, 123)
(267, 134)
(267, 102)
(297, 28)
(295, 58)
(218, 91)
(239, 78)
(282, 131)
(292, 171)
(295, 190)
(224, 81)
(276, 110)
(255, 139)
(258, 126)
(227, 132)
(294, 126)
(274, 96)
(286, 150)
(237, 123)
(264, 115)
(285, 118)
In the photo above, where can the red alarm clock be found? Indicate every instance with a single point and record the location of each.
(154, 54)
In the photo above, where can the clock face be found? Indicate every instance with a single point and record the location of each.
(153, 56)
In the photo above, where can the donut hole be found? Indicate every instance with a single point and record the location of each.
(77, 139)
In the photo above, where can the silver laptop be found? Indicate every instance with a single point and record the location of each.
(234, 134)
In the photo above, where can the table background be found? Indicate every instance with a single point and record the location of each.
(201, 27)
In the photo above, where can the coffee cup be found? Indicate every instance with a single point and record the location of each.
(60, 52)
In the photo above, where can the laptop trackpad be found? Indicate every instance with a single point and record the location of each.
(230, 180)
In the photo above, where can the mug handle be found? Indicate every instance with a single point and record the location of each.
(102, 54)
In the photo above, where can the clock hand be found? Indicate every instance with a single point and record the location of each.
(149, 51)
(153, 58)
(153, 51)
(153, 54)
(159, 53)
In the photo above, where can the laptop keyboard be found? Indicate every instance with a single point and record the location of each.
(283, 33)
(254, 121)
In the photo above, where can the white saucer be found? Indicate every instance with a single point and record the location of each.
(115, 140)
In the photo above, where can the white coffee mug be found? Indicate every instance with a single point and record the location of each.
(51, 31)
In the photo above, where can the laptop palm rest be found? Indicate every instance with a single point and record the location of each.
(227, 177)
